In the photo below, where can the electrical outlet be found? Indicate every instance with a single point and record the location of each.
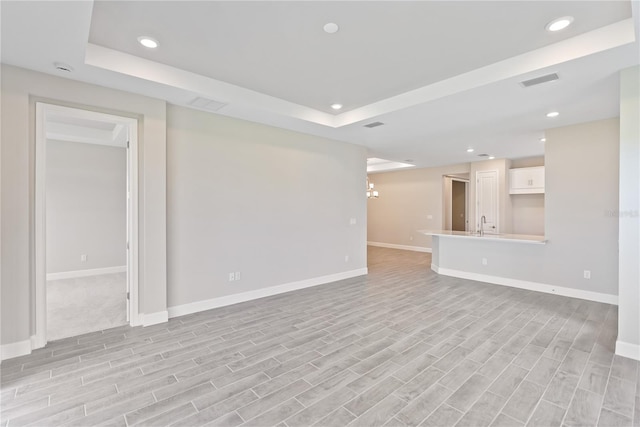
(410, 237)
(484, 261)
(429, 216)
(237, 275)
(587, 274)
(346, 258)
(352, 221)
(232, 277)
(83, 258)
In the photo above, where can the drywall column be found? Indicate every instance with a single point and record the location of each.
(628, 343)
(15, 243)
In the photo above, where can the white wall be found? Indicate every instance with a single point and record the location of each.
(527, 214)
(409, 197)
(21, 89)
(410, 200)
(581, 185)
(274, 205)
(581, 236)
(628, 343)
(86, 206)
(527, 210)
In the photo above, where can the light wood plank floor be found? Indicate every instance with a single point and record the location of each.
(401, 346)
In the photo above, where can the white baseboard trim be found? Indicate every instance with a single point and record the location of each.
(37, 342)
(86, 273)
(625, 349)
(21, 348)
(155, 318)
(194, 307)
(531, 286)
(403, 247)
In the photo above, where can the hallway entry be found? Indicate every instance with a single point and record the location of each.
(86, 221)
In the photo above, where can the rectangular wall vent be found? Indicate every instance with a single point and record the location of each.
(539, 80)
(207, 104)
(374, 124)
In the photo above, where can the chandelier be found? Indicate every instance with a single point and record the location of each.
(371, 193)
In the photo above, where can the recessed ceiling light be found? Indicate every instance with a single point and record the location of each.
(149, 42)
(331, 28)
(469, 150)
(543, 139)
(492, 157)
(553, 114)
(336, 106)
(559, 24)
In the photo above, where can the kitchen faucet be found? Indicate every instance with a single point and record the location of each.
(483, 220)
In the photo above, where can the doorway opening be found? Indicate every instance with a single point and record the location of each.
(456, 202)
(86, 222)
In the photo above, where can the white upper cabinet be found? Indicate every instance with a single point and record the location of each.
(526, 180)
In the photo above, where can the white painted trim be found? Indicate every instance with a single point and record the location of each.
(21, 348)
(40, 232)
(86, 273)
(403, 247)
(625, 349)
(35, 343)
(131, 65)
(39, 304)
(133, 313)
(447, 201)
(194, 307)
(154, 318)
(531, 286)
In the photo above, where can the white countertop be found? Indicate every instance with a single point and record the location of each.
(519, 238)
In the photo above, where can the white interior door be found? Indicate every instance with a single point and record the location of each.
(487, 200)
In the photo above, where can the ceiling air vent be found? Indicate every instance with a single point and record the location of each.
(483, 155)
(63, 67)
(539, 80)
(374, 125)
(207, 104)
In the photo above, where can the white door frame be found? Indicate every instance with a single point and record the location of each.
(448, 209)
(40, 304)
(466, 202)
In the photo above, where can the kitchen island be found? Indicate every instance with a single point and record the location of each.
(515, 260)
(520, 238)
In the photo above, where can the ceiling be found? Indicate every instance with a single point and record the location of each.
(442, 76)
